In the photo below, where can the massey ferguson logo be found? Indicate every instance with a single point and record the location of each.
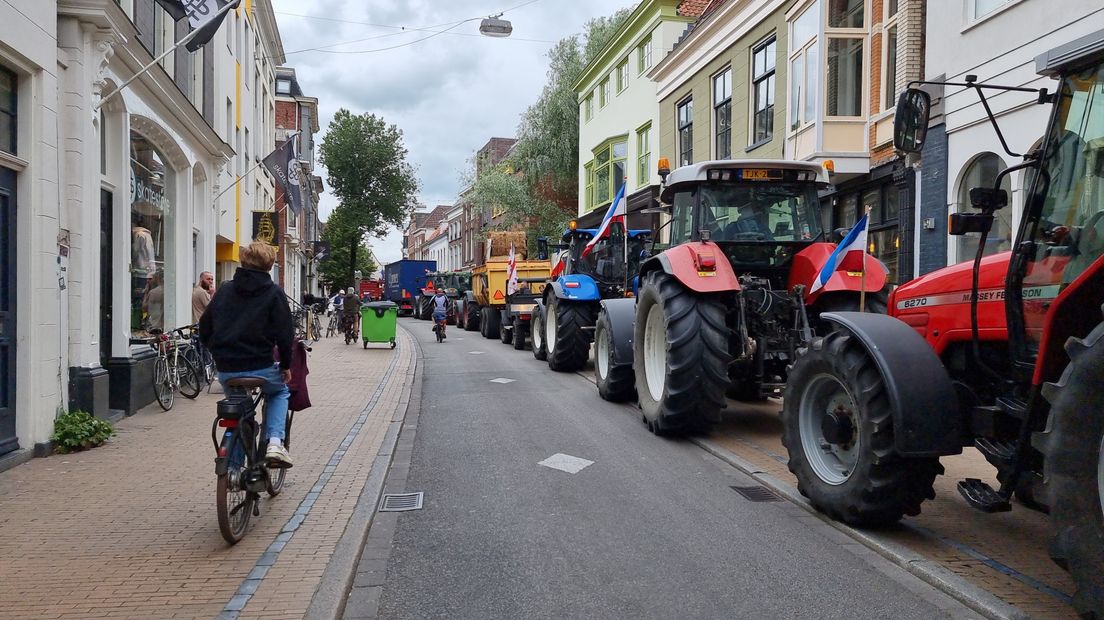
(988, 295)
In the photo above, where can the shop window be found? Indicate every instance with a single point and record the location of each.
(9, 86)
(686, 132)
(722, 114)
(845, 76)
(763, 62)
(982, 172)
(151, 203)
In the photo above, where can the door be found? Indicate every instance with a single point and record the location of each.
(8, 441)
(107, 280)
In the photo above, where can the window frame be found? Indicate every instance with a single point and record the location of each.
(889, 23)
(809, 74)
(770, 77)
(622, 73)
(680, 127)
(863, 72)
(609, 166)
(722, 133)
(644, 154)
(11, 110)
(644, 56)
(588, 107)
(604, 92)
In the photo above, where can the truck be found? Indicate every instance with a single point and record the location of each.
(1004, 353)
(563, 321)
(404, 281)
(488, 304)
(372, 288)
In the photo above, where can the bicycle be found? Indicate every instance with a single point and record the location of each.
(198, 355)
(439, 328)
(241, 471)
(351, 329)
(332, 326)
(172, 371)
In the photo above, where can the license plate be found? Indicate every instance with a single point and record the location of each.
(761, 174)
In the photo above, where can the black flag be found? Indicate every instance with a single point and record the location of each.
(203, 15)
(283, 163)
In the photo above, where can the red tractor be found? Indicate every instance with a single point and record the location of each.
(724, 309)
(1005, 353)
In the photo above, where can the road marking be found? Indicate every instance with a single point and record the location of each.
(566, 462)
(475, 352)
(503, 380)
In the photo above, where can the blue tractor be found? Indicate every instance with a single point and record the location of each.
(563, 323)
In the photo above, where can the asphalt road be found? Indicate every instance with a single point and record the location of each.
(651, 529)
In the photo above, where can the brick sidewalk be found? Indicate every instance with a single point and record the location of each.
(129, 529)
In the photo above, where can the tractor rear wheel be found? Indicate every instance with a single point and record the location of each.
(614, 381)
(519, 335)
(536, 333)
(490, 322)
(424, 311)
(1073, 445)
(567, 341)
(471, 317)
(680, 355)
(505, 335)
(837, 424)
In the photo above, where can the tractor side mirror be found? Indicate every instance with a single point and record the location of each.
(839, 234)
(988, 198)
(959, 224)
(910, 121)
(542, 248)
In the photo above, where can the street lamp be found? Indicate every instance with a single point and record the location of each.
(493, 26)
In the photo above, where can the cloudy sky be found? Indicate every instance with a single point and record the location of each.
(449, 93)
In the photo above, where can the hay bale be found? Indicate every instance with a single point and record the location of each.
(499, 242)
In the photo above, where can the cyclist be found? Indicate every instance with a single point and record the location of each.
(246, 318)
(350, 311)
(440, 305)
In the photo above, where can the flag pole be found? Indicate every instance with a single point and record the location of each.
(236, 181)
(862, 274)
(191, 35)
(625, 229)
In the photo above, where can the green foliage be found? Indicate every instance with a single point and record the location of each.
(548, 136)
(367, 170)
(334, 269)
(521, 208)
(78, 430)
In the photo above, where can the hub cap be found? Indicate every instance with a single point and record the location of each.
(602, 353)
(655, 352)
(550, 329)
(827, 408)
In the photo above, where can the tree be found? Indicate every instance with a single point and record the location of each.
(367, 170)
(333, 270)
(521, 208)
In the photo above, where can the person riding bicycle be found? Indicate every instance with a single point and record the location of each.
(350, 311)
(440, 304)
(246, 318)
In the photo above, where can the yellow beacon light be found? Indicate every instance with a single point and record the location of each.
(573, 224)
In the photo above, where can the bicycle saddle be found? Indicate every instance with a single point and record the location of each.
(246, 382)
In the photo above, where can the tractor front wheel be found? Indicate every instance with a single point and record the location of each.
(536, 333)
(680, 355)
(614, 381)
(837, 423)
(567, 341)
(1073, 445)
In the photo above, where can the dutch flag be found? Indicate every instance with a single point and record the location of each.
(850, 255)
(616, 213)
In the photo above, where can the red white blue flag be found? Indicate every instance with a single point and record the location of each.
(616, 213)
(511, 272)
(850, 254)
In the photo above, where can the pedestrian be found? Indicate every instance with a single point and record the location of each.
(242, 324)
(202, 293)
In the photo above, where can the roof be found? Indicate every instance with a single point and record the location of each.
(435, 216)
(692, 8)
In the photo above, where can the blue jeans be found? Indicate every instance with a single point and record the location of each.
(439, 315)
(276, 397)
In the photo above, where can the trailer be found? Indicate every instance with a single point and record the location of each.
(404, 280)
(487, 305)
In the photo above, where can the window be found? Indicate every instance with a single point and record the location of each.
(844, 85)
(283, 87)
(604, 92)
(846, 13)
(229, 119)
(984, 7)
(890, 68)
(762, 76)
(588, 107)
(722, 114)
(883, 238)
(247, 160)
(623, 75)
(9, 90)
(151, 183)
(609, 170)
(686, 132)
(804, 67)
(588, 172)
(644, 56)
(643, 155)
(982, 172)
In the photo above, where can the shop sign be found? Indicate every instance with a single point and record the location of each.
(264, 227)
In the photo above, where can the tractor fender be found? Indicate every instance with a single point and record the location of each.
(684, 263)
(927, 420)
(576, 287)
(808, 263)
(622, 317)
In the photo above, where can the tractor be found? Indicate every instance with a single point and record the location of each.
(453, 283)
(1004, 353)
(563, 322)
(724, 309)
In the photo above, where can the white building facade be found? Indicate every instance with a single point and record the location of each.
(107, 210)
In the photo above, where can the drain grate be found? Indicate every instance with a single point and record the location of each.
(401, 502)
(757, 494)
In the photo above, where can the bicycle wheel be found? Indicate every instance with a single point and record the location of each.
(191, 353)
(187, 377)
(275, 481)
(316, 329)
(234, 504)
(162, 384)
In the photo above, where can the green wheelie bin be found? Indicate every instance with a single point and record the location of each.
(378, 322)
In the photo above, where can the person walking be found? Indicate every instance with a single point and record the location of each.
(244, 321)
(202, 293)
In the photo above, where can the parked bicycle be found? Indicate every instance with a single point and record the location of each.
(198, 355)
(333, 325)
(172, 371)
(241, 471)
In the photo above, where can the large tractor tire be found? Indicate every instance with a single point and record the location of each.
(564, 334)
(615, 381)
(1073, 445)
(471, 317)
(490, 321)
(536, 333)
(460, 313)
(425, 305)
(680, 355)
(520, 331)
(837, 423)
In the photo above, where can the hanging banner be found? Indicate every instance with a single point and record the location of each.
(264, 227)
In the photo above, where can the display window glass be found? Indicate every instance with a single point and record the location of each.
(150, 204)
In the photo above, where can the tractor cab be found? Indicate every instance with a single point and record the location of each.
(609, 262)
(761, 214)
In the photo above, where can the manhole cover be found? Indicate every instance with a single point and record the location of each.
(401, 502)
(757, 494)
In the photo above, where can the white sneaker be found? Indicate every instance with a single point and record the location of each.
(277, 456)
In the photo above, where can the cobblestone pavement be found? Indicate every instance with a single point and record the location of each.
(129, 529)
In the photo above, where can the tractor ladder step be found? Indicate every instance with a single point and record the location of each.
(1013, 407)
(982, 496)
(1000, 454)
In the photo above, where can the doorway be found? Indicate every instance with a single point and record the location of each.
(107, 279)
(8, 440)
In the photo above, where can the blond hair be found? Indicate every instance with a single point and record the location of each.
(258, 255)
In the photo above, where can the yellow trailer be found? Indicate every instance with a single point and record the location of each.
(489, 283)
